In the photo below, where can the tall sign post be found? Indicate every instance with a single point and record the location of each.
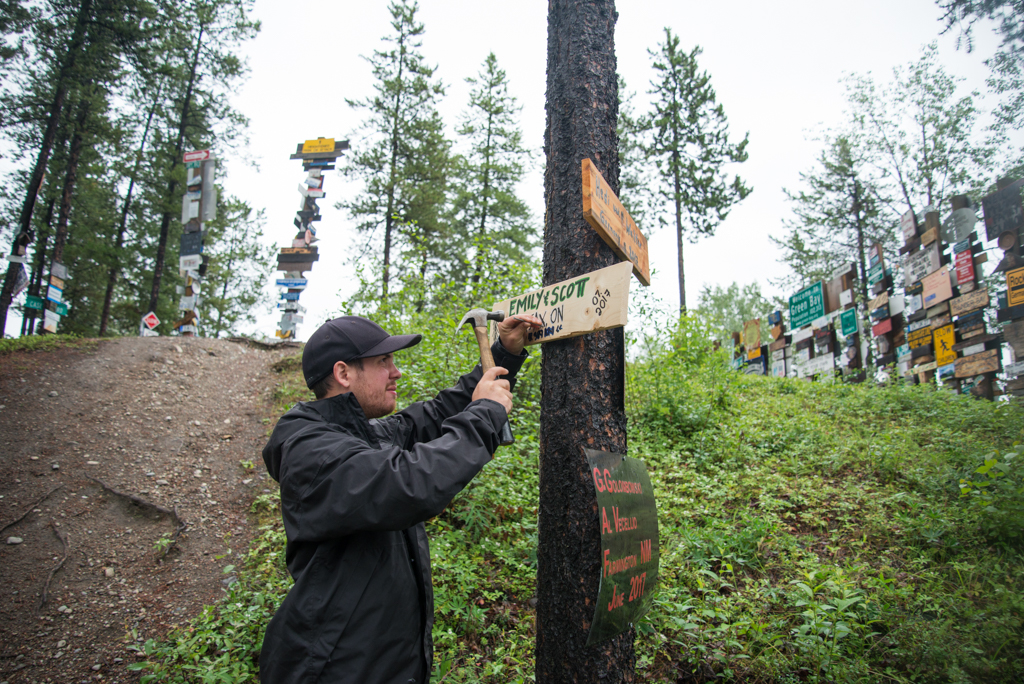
(317, 156)
(582, 405)
(198, 205)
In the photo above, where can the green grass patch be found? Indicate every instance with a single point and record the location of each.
(35, 343)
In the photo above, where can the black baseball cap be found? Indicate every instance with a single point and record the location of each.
(346, 339)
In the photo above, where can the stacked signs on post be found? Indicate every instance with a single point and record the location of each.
(53, 304)
(848, 354)
(811, 351)
(926, 349)
(1004, 217)
(778, 348)
(317, 156)
(885, 310)
(198, 205)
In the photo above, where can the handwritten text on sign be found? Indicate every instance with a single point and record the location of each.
(630, 552)
(596, 301)
(603, 210)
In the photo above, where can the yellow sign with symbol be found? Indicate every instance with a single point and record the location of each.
(945, 338)
(318, 145)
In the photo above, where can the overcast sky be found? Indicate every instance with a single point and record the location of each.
(775, 66)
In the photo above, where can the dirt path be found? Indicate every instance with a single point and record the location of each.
(167, 420)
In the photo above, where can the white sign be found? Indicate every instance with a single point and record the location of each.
(190, 262)
(146, 332)
(198, 155)
(846, 298)
(1015, 369)
(187, 303)
(921, 263)
(50, 321)
(306, 191)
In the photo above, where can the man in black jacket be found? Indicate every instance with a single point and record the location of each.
(356, 488)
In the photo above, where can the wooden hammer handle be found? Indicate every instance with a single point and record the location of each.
(486, 358)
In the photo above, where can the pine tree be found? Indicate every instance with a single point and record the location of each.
(690, 146)
(492, 220)
(405, 162)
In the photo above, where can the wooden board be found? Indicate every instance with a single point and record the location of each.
(879, 301)
(908, 225)
(937, 287)
(919, 264)
(1013, 333)
(964, 268)
(930, 236)
(940, 321)
(945, 338)
(969, 302)
(985, 362)
(883, 327)
(596, 301)
(920, 337)
(1015, 287)
(603, 210)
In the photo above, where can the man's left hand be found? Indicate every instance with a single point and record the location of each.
(513, 331)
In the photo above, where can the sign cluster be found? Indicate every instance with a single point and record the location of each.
(317, 156)
(52, 304)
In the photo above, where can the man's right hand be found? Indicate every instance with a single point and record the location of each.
(491, 387)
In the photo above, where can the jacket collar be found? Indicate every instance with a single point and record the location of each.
(344, 410)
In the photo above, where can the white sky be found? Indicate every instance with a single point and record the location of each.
(775, 67)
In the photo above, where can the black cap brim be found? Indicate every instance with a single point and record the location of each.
(391, 345)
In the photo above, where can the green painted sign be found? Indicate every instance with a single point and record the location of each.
(193, 164)
(875, 274)
(33, 302)
(62, 309)
(848, 321)
(806, 305)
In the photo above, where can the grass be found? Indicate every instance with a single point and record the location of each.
(809, 533)
(34, 343)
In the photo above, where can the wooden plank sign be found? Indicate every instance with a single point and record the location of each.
(919, 264)
(985, 362)
(596, 301)
(603, 210)
(937, 287)
(969, 302)
(908, 225)
(945, 338)
(919, 338)
(1015, 287)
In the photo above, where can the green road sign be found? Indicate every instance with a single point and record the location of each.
(193, 164)
(806, 305)
(848, 321)
(875, 274)
(62, 309)
(33, 302)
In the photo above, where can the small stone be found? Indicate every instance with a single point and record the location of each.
(198, 473)
(53, 393)
(33, 458)
(63, 609)
(56, 466)
(169, 362)
(109, 572)
(150, 474)
(61, 643)
(177, 349)
(14, 540)
(162, 482)
(227, 421)
(92, 462)
(96, 667)
(169, 419)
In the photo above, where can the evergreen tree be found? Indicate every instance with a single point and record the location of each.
(690, 146)
(634, 175)
(492, 220)
(405, 162)
(728, 308)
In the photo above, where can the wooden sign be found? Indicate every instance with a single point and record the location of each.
(609, 218)
(919, 264)
(937, 287)
(945, 338)
(752, 337)
(630, 552)
(969, 302)
(985, 362)
(1013, 333)
(879, 301)
(920, 337)
(1003, 212)
(1015, 287)
(930, 236)
(908, 225)
(318, 145)
(580, 306)
(964, 268)
(940, 321)
(883, 327)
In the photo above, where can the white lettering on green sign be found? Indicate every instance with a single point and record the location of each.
(806, 306)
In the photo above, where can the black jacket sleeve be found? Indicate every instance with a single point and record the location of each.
(352, 487)
(423, 421)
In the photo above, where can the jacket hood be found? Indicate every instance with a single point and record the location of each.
(342, 410)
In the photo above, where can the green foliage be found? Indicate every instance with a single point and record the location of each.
(43, 343)
(728, 308)
(808, 532)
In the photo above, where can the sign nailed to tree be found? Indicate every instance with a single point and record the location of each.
(630, 552)
(605, 213)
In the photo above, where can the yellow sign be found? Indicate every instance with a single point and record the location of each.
(1015, 287)
(318, 145)
(945, 338)
(609, 218)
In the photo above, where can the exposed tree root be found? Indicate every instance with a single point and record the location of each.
(172, 513)
(67, 549)
(30, 509)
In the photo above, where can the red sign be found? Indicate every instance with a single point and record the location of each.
(151, 320)
(882, 328)
(964, 267)
(198, 155)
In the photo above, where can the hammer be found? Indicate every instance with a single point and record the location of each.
(478, 318)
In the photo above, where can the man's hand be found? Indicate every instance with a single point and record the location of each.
(513, 331)
(490, 387)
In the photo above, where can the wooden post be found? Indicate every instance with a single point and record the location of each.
(582, 377)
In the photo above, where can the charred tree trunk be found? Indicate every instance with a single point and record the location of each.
(583, 378)
(172, 184)
(78, 39)
(35, 287)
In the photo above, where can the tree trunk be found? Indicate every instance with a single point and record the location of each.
(869, 361)
(60, 237)
(35, 286)
(583, 378)
(115, 268)
(172, 184)
(38, 171)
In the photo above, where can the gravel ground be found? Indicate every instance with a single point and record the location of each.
(172, 421)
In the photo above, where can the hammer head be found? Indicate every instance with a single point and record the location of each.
(478, 317)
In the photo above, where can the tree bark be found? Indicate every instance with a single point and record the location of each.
(583, 378)
(115, 268)
(172, 184)
(29, 319)
(859, 217)
(46, 145)
(60, 237)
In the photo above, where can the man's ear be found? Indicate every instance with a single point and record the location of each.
(343, 376)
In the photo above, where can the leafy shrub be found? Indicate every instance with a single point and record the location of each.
(999, 495)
